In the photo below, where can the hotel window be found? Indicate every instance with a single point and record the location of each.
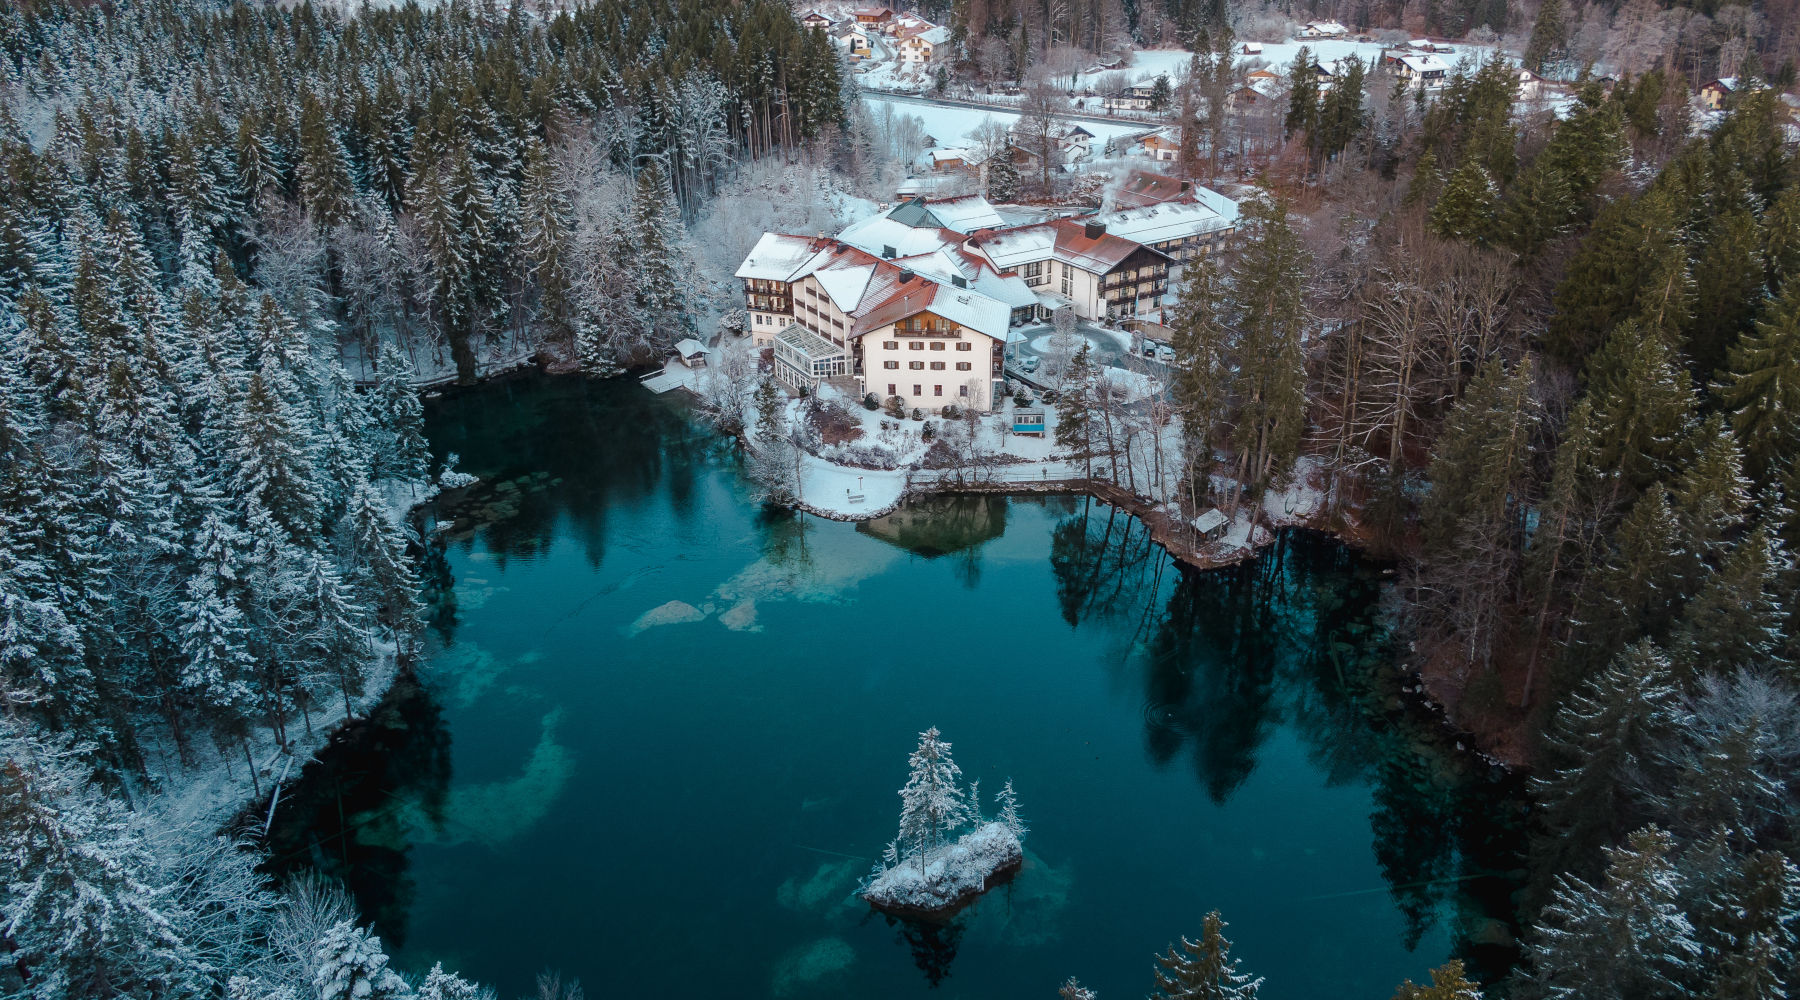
(937, 390)
(937, 366)
(917, 345)
(917, 389)
(917, 366)
(890, 364)
(890, 345)
(1067, 271)
(965, 391)
(964, 346)
(963, 366)
(937, 347)
(893, 390)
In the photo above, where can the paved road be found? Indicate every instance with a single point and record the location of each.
(1109, 348)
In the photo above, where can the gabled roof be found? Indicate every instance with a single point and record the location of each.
(1098, 254)
(965, 213)
(1173, 221)
(1425, 64)
(1015, 247)
(1142, 187)
(874, 235)
(778, 257)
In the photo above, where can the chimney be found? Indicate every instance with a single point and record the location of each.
(906, 275)
(1094, 230)
(887, 252)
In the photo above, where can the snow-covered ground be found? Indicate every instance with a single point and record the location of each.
(951, 125)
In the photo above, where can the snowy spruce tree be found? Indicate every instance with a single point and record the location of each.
(932, 802)
(352, 966)
(1203, 969)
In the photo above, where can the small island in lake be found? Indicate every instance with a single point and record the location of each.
(930, 871)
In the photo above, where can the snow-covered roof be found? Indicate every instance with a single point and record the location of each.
(1325, 28)
(1253, 48)
(1214, 518)
(946, 154)
(1725, 83)
(965, 214)
(845, 285)
(1170, 221)
(687, 347)
(1097, 254)
(1424, 63)
(934, 36)
(878, 233)
(1015, 247)
(777, 257)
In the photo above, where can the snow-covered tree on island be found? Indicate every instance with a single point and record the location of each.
(924, 869)
(932, 802)
(1008, 801)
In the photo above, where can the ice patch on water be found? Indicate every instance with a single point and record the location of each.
(741, 617)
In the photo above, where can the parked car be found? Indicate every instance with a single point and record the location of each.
(1029, 365)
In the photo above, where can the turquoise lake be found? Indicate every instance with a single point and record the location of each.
(677, 799)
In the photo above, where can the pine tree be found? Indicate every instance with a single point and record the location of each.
(1549, 37)
(1735, 621)
(1762, 910)
(396, 427)
(1074, 417)
(272, 461)
(1202, 379)
(352, 966)
(441, 985)
(547, 226)
(659, 252)
(1204, 969)
(326, 188)
(1467, 208)
(1073, 990)
(1643, 405)
(1303, 95)
(1002, 179)
(377, 567)
(1448, 981)
(82, 914)
(1604, 732)
(1268, 309)
(1008, 801)
(1622, 939)
(770, 402)
(1760, 386)
(932, 802)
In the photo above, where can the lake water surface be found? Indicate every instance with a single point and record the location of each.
(666, 807)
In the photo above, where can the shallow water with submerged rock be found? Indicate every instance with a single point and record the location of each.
(656, 736)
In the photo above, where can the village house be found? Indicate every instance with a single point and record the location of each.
(852, 38)
(875, 18)
(1715, 94)
(946, 160)
(1422, 70)
(1252, 49)
(922, 45)
(1163, 145)
(1072, 144)
(814, 19)
(1323, 29)
(1138, 97)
